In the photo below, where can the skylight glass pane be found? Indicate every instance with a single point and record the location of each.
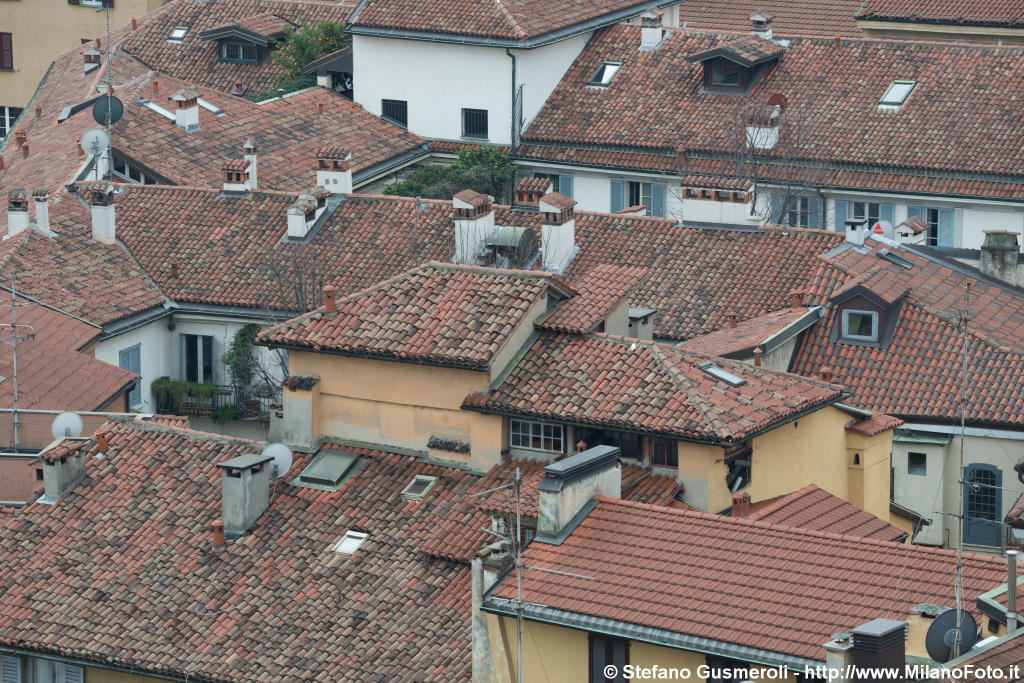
(178, 32)
(897, 93)
(719, 373)
(350, 542)
(418, 487)
(328, 468)
(605, 73)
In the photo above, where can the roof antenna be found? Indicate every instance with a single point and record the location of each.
(958, 639)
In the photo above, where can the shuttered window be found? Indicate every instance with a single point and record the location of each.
(395, 111)
(608, 656)
(130, 359)
(6, 52)
(10, 669)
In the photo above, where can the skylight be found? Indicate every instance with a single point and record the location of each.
(896, 259)
(350, 542)
(605, 73)
(896, 95)
(328, 469)
(177, 33)
(418, 487)
(724, 375)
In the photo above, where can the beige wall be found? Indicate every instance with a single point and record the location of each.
(868, 459)
(42, 29)
(96, 675)
(895, 30)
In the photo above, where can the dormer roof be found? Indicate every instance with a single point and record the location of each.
(746, 51)
(259, 29)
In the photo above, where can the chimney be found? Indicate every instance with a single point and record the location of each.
(557, 231)
(330, 303)
(651, 31)
(17, 211)
(186, 109)
(528, 192)
(236, 175)
(135, 23)
(101, 203)
(826, 373)
(911, 231)
(740, 504)
(91, 59)
(999, 255)
(301, 216)
(839, 658)
(879, 644)
(763, 128)
(796, 298)
(568, 485)
(733, 321)
(20, 137)
(856, 231)
(334, 170)
(757, 357)
(218, 534)
(156, 86)
(1011, 591)
(41, 198)
(245, 491)
(474, 223)
(761, 24)
(63, 467)
(102, 441)
(249, 154)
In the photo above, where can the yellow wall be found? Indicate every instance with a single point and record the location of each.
(519, 338)
(95, 675)
(867, 460)
(42, 29)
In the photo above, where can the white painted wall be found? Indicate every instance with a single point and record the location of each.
(154, 356)
(541, 69)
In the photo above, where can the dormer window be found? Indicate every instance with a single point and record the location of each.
(860, 325)
(177, 34)
(735, 65)
(896, 95)
(242, 53)
(723, 74)
(604, 74)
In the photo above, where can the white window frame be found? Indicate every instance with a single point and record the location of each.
(867, 210)
(348, 544)
(860, 337)
(175, 38)
(603, 70)
(530, 434)
(891, 101)
(799, 216)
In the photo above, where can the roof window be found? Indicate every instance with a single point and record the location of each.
(177, 33)
(895, 259)
(418, 487)
(724, 375)
(328, 470)
(350, 543)
(605, 73)
(896, 95)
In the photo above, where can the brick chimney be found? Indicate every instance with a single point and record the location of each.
(63, 467)
(236, 175)
(249, 154)
(740, 504)
(761, 24)
(999, 255)
(334, 169)
(17, 211)
(41, 198)
(651, 31)
(528, 192)
(186, 109)
(245, 491)
(568, 486)
(100, 195)
(330, 300)
(91, 59)
(474, 223)
(557, 231)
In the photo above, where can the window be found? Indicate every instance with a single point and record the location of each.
(638, 193)
(10, 669)
(664, 453)
(418, 487)
(896, 95)
(866, 211)
(606, 654)
(737, 462)
(721, 374)
(917, 463)
(125, 171)
(197, 358)
(474, 123)
(350, 542)
(633, 193)
(982, 497)
(244, 53)
(725, 75)
(6, 52)
(177, 33)
(8, 115)
(328, 469)
(860, 325)
(130, 359)
(46, 671)
(536, 436)
(931, 217)
(799, 216)
(605, 73)
(395, 111)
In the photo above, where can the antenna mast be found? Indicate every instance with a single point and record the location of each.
(110, 86)
(963, 482)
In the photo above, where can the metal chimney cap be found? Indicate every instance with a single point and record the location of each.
(878, 627)
(558, 474)
(244, 462)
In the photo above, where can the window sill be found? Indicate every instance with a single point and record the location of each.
(476, 138)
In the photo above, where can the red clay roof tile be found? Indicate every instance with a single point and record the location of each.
(816, 509)
(600, 289)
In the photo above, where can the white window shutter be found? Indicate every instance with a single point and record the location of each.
(10, 669)
(73, 674)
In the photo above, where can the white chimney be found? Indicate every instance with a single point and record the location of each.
(557, 231)
(911, 231)
(101, 203)
(761, 24)
(651, 31)
(249, 154)
(245, 492)
(41, 198)
(186, 109)
(570, 484)
(763, 128)
(301, 216)
(63, 467)
(334, 170)
(999, 254)
(236, 175)
(474, 223)
(17, 211)
(856, 231)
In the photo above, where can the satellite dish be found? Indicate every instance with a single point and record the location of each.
(107, 105)
(882, 227)
(94, 141)
(777, 100)
(66, 425)
(942, 633)
(282, 456)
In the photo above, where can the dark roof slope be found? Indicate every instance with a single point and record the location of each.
(1003, 13)
(816, 509)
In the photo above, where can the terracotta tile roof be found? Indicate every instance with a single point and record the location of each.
(716, 183)
(559, 201)
(816, 509)
(747, 50)
(948, 122)
(677, 570)
(648, 387)
(509, 20)
(472, 197)
(600, 289)
(147, 572)
(916, 224)
(1005, 13)
(53, 373)
(435, 313)
(790, 18)
(61, 450)
(196, 60)
(746, 335)
(874, 425)
(533, 185)
(918, 373)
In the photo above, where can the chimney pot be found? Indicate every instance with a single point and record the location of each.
(796, 297)
(558, 231)
(757, 357)
(218, 534)
(245, 491)
(740, 504)
(41, 197)
(156, 86)
(24, 150)
(320, 108)
(174, 269)
(17, 211)
(581, 446)
(39, 111)
(101, 203)
(330, 305)
(135, 23)
(733, 321)
(826, 373)
(186, 109)
(837, 41)
(102, 442)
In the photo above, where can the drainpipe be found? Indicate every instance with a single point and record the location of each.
(1011, 591)
(513, 142)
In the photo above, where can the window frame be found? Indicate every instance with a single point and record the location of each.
(6, 53)
(671, 452)
(200, 357)
(845, 329)
(604, 82)
(866, 213)
(727, 71)
(530, 435)
(893, 103)
(601, 656)
(385, 103)
(468, 112)
(125, 362)
(799, 215)
(917, 469)
(171, 38)
(8, 117)
(241, 58)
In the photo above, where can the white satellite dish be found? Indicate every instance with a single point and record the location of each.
(882, 227)
(95, 141)
(282, 456)
(66, 425)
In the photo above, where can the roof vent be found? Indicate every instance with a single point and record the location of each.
(721, 374)
(894, 258)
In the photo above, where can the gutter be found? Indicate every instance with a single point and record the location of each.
(376, 171)
(372, 356)
(647, 634)
(97, 664)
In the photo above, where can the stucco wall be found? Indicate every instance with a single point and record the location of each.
(155, 354)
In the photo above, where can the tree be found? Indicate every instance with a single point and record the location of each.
(484, 169)
(307, 44)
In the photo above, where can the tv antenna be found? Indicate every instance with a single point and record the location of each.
(13, 338)
(958, 639)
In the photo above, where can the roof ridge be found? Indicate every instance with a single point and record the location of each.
(698, 399)
(782, 501)
(510, 19)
